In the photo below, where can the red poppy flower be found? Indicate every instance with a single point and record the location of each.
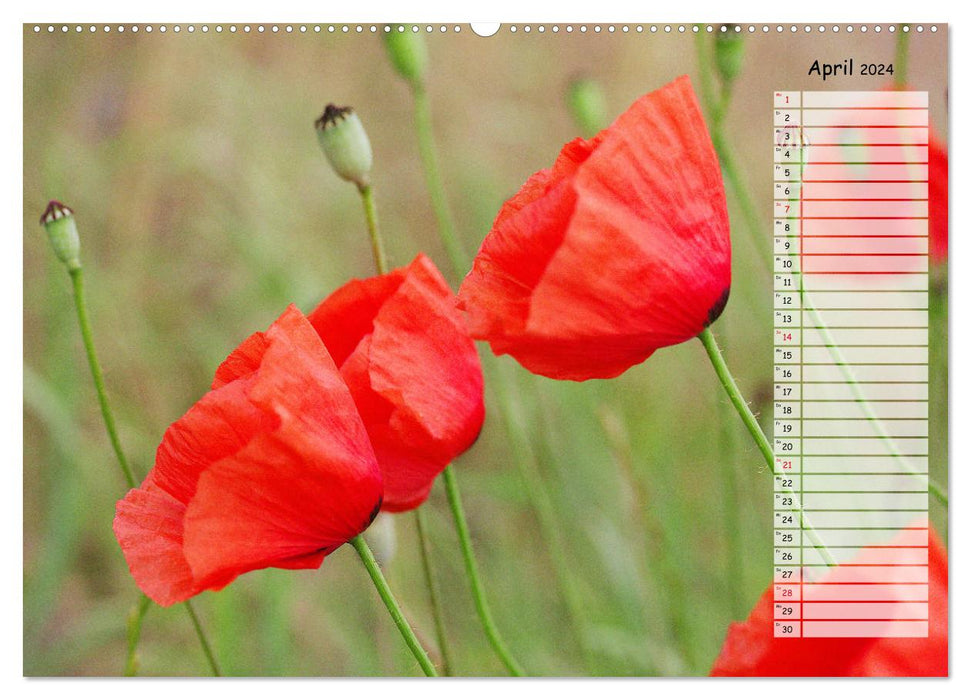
(937, 199)
(619, 249)
(272, 467)
(750, 648)
(413, 371)
(937, 188)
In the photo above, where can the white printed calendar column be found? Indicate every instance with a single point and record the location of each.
(787, 316)
(862, 266)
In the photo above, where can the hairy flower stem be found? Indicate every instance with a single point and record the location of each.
(381, 584)
(371, 216)
(381, 263)
(755, 430)
(460, 262)
(478, 593)
(134, 633)
(206, 648)
(77, 278)
(433, 596)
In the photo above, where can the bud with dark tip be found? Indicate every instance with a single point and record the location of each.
(345, 143)
(58, 220)
(588, 106)
(408, 53)
(729, 53)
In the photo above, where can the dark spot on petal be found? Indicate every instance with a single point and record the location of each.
(716, 309)
(374, 513)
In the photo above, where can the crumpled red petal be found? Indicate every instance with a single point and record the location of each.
(622, 248)
(413, 370)
(272, 467)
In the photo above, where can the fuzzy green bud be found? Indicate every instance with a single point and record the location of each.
(345, 143)
(62, 232)
(588, 106)
(408, 53)
(729, 53)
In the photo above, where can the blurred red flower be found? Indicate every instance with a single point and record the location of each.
(937, 188)
(412, 369)
(272, 467)
(937, 172)
(750, 649)
(619, 249)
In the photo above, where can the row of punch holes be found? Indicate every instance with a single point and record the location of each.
(443, 28)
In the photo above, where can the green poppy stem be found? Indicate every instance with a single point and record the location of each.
(753, 224)
(381, 584)
(451, 485)
(433, 595)
(371, 216)
(454, 248)
(900, 59)
(134, 634)
(755, 430)
(381, 263)
(206, 648)
(77, 278)
(460, 261)
(471, 569)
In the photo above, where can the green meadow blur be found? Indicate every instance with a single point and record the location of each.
(205, 206)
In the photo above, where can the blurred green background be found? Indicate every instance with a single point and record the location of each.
(205, 207)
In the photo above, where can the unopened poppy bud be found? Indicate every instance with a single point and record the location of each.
(58, 220)
(587, 105)
(345, 143)
(408, 53)
(729, 53)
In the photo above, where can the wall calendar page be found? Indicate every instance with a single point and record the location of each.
(520, 349)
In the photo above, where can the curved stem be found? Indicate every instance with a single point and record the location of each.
(460, 262)
(381, 263)
(753, 226)
(371, 215)
(381, 584)
(77, 278)
(134, 633)
(433, 179)
(206, 649)
(834, 351)
(426, 565)
(755, 430)
(478, 593)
